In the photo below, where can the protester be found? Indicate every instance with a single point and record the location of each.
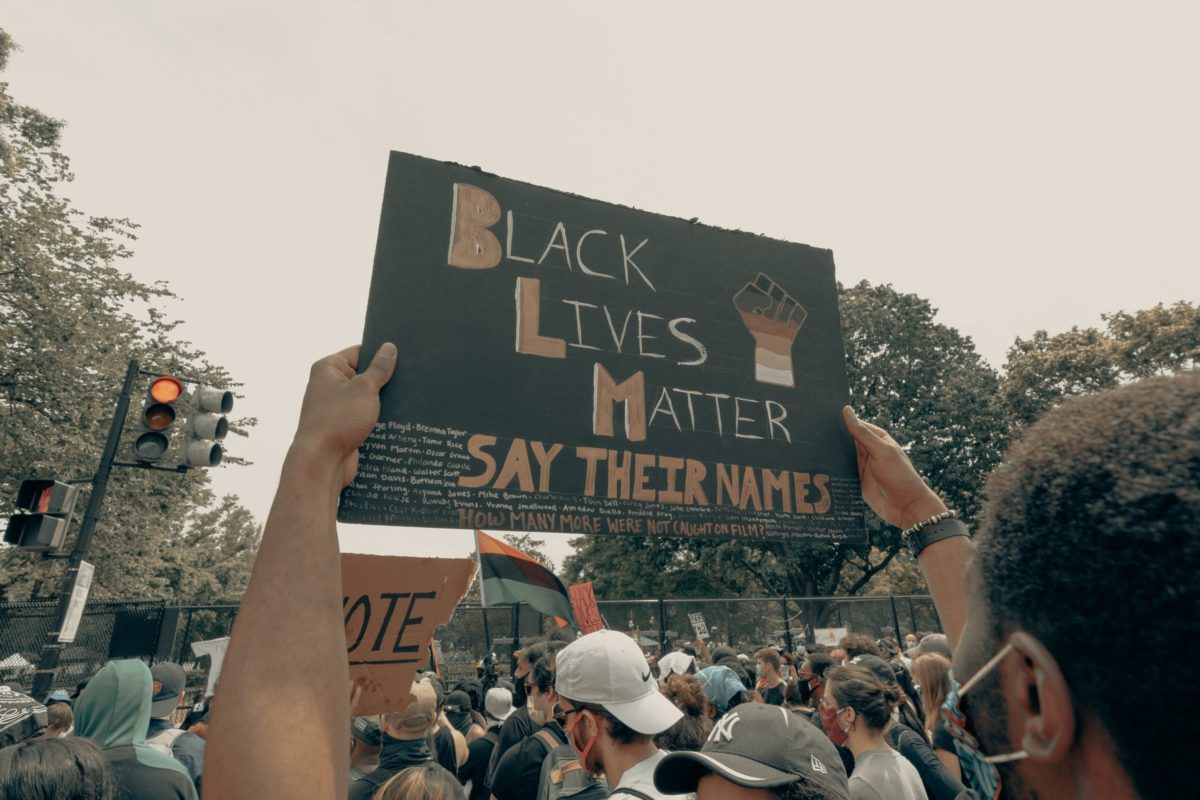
(694, 726)
(448, 745)
(757, 752)
(56, 769)
(404, 737)
(722, 689)
(428, 781)
(770, 682)
(169, 683)
(858, 644)
(497, 705)
(676, 662)
(518, 725)
(60, 721)
(933, 643)
(1102, 486)
(518, 774)
(909, 741)
(838, 655)
(461, 715)
(366, 738)
(114, 710)
(612, 707)
(932, 673)
(810, 678)
(856, 709)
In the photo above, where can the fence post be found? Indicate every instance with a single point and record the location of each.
(896, 620)
(662, 627)
(787, 626)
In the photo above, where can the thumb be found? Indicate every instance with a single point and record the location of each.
(862, 434)
(382, 366)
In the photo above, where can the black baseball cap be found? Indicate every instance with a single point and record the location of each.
(171, 680)
(759, 746)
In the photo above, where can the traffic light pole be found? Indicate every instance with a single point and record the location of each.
(48, 663)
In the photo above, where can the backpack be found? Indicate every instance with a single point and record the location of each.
(164, 742)
(564, 777)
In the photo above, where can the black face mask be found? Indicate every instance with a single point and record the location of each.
(805, 689)
(519, 696)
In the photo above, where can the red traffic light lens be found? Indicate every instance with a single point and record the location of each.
(166, 389)
(159, 417)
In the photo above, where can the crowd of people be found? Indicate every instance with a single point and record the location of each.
(1016, 699)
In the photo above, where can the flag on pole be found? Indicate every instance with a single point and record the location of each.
(506, 575)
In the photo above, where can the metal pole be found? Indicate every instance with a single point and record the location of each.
(516, 637)
(787, 627)
(487, 632)
(44, 677)
(896, 621)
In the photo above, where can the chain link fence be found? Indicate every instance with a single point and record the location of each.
(154, 631)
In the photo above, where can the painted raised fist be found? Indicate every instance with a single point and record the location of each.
(774, 318)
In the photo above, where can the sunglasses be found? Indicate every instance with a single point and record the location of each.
(560, 715)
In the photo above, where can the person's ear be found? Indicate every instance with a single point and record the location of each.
(1041, 701)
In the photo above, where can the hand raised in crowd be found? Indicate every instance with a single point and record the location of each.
(341, 407)
(890, 483)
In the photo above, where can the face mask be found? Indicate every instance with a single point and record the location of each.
(833, 728)
(979, 771)
(536, 715)
(784, 672)
(585, 752)
(806, 691)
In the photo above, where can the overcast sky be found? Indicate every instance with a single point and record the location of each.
(1021, 165)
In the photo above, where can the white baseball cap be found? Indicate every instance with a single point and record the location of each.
(607, 668)
(498, 703)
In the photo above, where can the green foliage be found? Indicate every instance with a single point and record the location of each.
(70, 320)
(1043, 370)
(922, 381)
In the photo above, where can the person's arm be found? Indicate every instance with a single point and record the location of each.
(894, 491)
(289, 635)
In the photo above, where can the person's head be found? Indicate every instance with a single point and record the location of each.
(59, 720)
(539, 683)
(757, 752)
(933, 643)
(810, 678)
(931, 673)
(608, 699)
(723, 689)
(838, 655)
(365, 739)
(72, 768)
(768, 662)
(417, 718)
(675, 663)
(910, 641)
(498, 704)
(859, 702)
(858, 644)
(693, 727)
(428, 781)
(1090, 524)
(169, 682)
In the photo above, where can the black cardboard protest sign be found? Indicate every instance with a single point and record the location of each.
(577, 366)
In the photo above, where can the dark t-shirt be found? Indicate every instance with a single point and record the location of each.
(520, 769)
(479, 753)
(443, 750)
(942, 738)
(938, 782)
(136, 781)
(515, 728)
(773, 696)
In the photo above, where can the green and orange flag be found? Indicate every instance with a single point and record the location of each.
(506, 575)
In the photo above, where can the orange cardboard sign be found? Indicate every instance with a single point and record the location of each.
(391, 606)
(583, 602)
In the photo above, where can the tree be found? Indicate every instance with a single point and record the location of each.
(69, 322)
(921, 380)
(1043, 370)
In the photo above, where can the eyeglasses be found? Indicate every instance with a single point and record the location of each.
(560, 715)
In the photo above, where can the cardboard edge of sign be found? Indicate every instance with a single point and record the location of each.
(693, 222)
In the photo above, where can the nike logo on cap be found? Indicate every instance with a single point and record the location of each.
(646, 677)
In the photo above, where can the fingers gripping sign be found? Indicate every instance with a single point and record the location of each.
(891, 485)
(341, 406)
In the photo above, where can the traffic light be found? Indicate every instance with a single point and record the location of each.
(45, 511)
(158, 415)
(207, 426)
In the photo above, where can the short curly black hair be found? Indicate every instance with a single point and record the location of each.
(1091, 533)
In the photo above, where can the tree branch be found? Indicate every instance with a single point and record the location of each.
(869, 573)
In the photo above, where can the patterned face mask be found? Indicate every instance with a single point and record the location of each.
(978, 770)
